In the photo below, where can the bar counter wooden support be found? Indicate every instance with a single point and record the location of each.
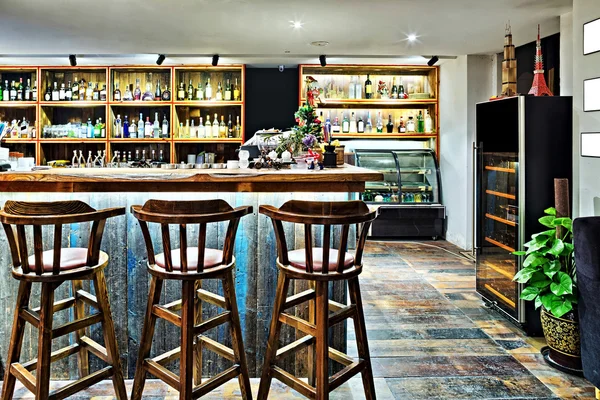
(127, 279)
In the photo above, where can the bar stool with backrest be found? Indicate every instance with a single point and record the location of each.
(319, 266)
(191, 265)
(51, 268)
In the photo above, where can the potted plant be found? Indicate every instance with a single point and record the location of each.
(549, 280)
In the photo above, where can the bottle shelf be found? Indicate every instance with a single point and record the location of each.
(208, 140)
(418, 136)
(328, 103)
(501, 169)
(205, 103)
(137, 140)
(73, 140)
(74, 104)
(501, 245)
(140, 103)
(18, 140)
(500, 194)
(18, 104)
(502, 220)
(499, 270)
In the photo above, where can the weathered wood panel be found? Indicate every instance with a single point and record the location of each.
(128, 280)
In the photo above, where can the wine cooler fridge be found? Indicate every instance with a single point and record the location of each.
(522, 144)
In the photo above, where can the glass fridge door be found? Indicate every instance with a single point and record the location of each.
(382, 161)
(419, 177)
(498, 229)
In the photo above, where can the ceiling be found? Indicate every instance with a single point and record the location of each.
(259, 31)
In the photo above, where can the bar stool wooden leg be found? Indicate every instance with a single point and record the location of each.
(78, 313)
(310, 358)
(109, 335)
(186, 363)
(42, 388)
(362, 343)
(236, 336)
(146, 338)
(322, 339)
(198, 349)
(273, 342)
(16, 340)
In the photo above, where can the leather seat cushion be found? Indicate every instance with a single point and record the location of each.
(298, 260)
(70, 258)
(212, 258)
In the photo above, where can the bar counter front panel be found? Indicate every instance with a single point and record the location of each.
(128, 280)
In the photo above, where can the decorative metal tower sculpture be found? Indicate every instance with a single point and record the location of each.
(539, 87)
(509, 65)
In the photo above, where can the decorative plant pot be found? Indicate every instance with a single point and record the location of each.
(562, 335)
(339, 154)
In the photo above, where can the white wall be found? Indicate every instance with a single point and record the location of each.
(586, 171)
(566, 54)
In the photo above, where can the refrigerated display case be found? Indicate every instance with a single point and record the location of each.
(522, 144)
(408, 200)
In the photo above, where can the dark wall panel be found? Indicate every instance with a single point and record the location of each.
(271, 99)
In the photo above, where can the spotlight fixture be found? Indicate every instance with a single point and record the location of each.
(433, 60)
(296, 24)
(161, 59)
(73, 60)
(323, 60)
(215, 60)
(412, 37)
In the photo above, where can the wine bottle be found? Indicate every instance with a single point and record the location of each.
(394, 88)
(13, 91)
(61, 92)
(238, 127)
(368, 88)
(181, 92)
(96, 93)
(190, 91)
(103, 93)
(230, 122)
(47, 95)
(55, 93)
(219, 96)
(228, 91)
(208, 90)
(69, 92)
(75, 90)
(6, 92)
(20, 90)
(401, 93)
(401, 126)
(390, 124)
(222, 128)
(215, 127)
(98, 129)
(27, 91)
(157, 93)
(379, 123)
(236, 91)
(208, 127)
(165, 127)
(420, 123)
(137, 93)
(199, 92)
(89, 93)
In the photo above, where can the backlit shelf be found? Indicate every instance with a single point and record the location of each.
(18, 140)
(501, 245)
(206, 103)
(73, 104)
(139, 140)
(73, 140)
(415, 136)
(502, 220)
(17, 104)
(140, 103)
(208, 140)
(374, 102)
(501, 169)
(501, 194)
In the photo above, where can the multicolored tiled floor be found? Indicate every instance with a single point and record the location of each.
(430, 338)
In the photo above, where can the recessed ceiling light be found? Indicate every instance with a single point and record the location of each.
(319, 43)
(296, 24)
(412, 37)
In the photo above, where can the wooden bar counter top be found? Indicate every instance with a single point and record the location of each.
(296, 179)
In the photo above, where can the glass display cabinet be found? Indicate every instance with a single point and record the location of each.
(409, 198)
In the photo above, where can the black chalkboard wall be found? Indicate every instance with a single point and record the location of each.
(526, 61)
(271, 99)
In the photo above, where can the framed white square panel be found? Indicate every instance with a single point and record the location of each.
(591, 94)
(591, 37)
(590, 144)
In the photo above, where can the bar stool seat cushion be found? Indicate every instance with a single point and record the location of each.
(297, 259)
(212, 258)
(70, 258)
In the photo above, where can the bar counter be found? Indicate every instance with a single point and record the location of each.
(255, 250)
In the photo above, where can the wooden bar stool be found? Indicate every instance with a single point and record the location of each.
(320, 266)
(191, 265)
(51, 268)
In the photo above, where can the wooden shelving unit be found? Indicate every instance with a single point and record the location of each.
(61, 112)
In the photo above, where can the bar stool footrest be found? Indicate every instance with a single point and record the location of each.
(295, 346)
(211, 298)
(81, 384)
(293, 382)
(345, 374)
(54, 356)
(164, 313)
(162, 373)
(216, 381)
(94, 347)
(217, 347)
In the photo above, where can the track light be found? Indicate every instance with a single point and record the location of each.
(161, 59)
(323, 60)
(215, 60)
(73, 60)
(433, 60)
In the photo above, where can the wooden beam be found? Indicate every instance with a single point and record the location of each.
(299, 298)
(30, 316)
(340, 357)
(344, 375)
(173, 306)
(342, 314)
(211, 298)
(59, 305)
(335, 306)
(212, 322)
(216, 381)
(293, 347)
(167, 357)
(293, 382)
(298, 323)
(76, 325)
(87, 298)
(94, 348)
(24, 376)
(217, 347)
(81, 384)
(162, 373)
(54, 356)
(167, 315)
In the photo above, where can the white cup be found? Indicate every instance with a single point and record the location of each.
(233, 164)
(191, 159)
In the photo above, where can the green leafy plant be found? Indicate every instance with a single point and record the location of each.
(549, 269)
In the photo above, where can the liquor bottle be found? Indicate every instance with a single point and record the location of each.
(13, 91)
(368, 88)
(23, 128)
(401, 94)
(98, 129)
(1, 92)
(103, 93)
(156, 127)
(345, 124)
(236, 91)
(96, 93)
(357, 88)
(420, 123)
(369, 124)
(193, 131)
(61, 92)
(230, 132)
(143, 155)
(360, 126)
(137, 93)
(118, 127)
(353, 127)
(126, 134)
(199, 92)
(55, 95)
(137, 155)
(127, 94)
(27, 91)
(157, 94)
(215, 127)
(222, 128)
(117, 93)
(161, 157)
(219, 96)
(327, 126)
(90, 129)
(47, 95)
(165, 127)
(410, 125)
(129, 158)
(190, 91)
(181, 92)
(379, 123)
(228, 91)
(352, 89)
(201, 130)
(394, 88)
(148, 129)
(238, 127)
(102, 128)
(390, 124)
(89, 93)
(75, 90)
(181, 132)
(208, 127)
(34, 92)
(6, 92)
(335, 128)
(148, 94)
(401, 126)
(133, 129)
(20, 90)
(208, 91)
(69, 92)
(140, 127)
(166, 94)
(428, 123)
(153, 155)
